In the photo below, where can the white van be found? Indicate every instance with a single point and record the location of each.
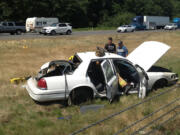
(35, 24)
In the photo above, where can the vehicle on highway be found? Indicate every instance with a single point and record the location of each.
(126, 28)
(35, 24)
(177, 21)
(150, 22)
(89, 75)
(12, 28)
(57, 28)
(171, 26)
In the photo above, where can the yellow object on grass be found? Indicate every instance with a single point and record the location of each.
(17, 80)
(25, 46)
(122, 82)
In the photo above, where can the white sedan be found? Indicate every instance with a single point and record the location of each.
(126, 28)
(171, 26)
(88, 75)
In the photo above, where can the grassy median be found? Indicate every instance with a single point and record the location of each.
(19, 114)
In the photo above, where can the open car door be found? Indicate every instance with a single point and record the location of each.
(148, 53)
(143, 81)
(111, 79)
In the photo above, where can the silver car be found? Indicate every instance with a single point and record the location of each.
(171, 26)
(126, 28)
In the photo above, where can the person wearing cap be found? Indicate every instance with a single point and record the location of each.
(110, 46)
(121, 49)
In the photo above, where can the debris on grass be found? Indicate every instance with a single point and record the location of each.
(86, 108)
(65, 117)
(18, 80)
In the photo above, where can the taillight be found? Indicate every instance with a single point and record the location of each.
(42, 84)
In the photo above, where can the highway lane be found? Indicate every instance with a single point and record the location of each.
(6, 36)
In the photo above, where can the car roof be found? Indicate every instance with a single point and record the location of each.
(86, 56)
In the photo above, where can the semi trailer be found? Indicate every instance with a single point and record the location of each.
(150, 22)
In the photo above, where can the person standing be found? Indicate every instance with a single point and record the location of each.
(110, 46)
(121, 49)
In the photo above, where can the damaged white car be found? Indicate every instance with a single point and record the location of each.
(88, 75)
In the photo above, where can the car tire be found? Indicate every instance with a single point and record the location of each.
(125, 30)
(18, 32)
(160, 84)
(68, 32)
(12, 33)
(53, 32)
(79, 96)
(132, 31)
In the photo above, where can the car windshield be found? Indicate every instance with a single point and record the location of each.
(54, 25)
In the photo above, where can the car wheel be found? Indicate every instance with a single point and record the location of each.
(68, 32)
(12, 33)
(79, 96)
(132, 31)
(53, 32)
(160, 84)
(18, 32)
(125, 30)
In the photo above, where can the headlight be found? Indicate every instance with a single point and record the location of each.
(174, 76)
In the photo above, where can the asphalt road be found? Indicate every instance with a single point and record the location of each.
(6, 36)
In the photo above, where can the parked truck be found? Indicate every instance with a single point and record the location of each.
(12, 28)
(177, 21)
(150, 22)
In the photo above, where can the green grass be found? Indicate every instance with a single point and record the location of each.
(19, 114)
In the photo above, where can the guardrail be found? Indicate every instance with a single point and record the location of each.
(147, 116)
(133, 106)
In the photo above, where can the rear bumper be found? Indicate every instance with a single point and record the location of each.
(42, 95)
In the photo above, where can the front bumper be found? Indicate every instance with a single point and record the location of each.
(44, 31)
(120, 30)
(42, 95)
(173, 81)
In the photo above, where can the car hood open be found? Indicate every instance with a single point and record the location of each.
(148, 53)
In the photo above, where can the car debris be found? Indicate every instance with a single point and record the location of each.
(18, 80)
(86, 108)
(89, 75)
(68, 117)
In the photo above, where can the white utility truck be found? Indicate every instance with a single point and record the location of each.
(35, 24)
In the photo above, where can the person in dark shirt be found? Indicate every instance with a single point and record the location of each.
(110, 46)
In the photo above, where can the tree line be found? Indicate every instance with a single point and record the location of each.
(88, 13)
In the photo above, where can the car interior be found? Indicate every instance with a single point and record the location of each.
(124, 69)
(129, 73)
(96, 75)
(59, 67)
